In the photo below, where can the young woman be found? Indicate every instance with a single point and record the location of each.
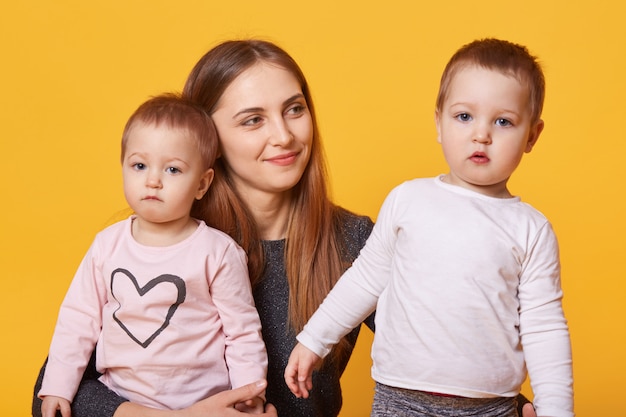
(270, 194)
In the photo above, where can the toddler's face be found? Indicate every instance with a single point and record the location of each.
(163, 173)
(484, 127)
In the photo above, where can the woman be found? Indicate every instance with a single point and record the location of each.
(270, 195)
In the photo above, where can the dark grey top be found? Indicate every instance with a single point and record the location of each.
(271, 298)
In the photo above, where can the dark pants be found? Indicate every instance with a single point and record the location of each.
(398, 402)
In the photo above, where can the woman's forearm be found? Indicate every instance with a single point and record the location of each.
(129, 409)
(218, 405)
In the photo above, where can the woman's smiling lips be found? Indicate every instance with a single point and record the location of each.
(479, 158)
(283, 159)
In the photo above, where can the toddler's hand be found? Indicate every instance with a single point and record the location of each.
(299, 370)
(51, 404)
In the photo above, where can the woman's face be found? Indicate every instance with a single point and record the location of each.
(265, 130)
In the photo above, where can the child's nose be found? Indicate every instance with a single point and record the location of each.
(154, 180)
(481, 135)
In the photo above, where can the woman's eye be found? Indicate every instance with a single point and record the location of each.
(296, 109)
(464, 117)
(252, 121)
(503, 122)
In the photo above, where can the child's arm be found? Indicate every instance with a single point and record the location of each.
(92, 399)
(299, 370)
(355, 295)
(77, 329)
(51, 404)
(230, 290)
(351, 300)
(543, 329)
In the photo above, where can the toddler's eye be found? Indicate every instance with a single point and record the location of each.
(503, 122)
(172, 170)
(464, 117)
(139, 166)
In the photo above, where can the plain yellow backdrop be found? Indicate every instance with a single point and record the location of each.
(72, 72)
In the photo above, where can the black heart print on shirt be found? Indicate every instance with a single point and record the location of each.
(179, 285)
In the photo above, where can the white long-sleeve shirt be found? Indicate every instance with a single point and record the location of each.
(173, 325)
(467, 295)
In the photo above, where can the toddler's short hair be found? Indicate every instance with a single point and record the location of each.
(174, 112)
(503, 56)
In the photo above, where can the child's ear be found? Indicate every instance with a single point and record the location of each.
(437, 126)
(533, 136)
(205, 182)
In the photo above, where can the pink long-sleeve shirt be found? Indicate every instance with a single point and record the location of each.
(172, 324)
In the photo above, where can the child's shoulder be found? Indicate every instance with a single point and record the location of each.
(214, 235)
(531, 212)
(414, 184)
(116, 229)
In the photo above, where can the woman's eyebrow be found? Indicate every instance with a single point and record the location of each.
(247, 110)
(294, 98)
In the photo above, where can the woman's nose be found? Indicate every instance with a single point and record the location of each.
(281, 134)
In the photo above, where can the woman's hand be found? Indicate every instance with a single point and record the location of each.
(219, 405)
(254, 406)
(223, 404)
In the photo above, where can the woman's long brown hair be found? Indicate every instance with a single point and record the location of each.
(314, 245)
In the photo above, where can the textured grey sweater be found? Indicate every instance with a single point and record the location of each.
(271, 298)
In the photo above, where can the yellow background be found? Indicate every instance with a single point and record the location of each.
(72, 72)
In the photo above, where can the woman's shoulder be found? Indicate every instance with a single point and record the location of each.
(354, 228)
(349, 220)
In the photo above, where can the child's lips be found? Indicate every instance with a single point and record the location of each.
(152, 198)
(479, 158)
